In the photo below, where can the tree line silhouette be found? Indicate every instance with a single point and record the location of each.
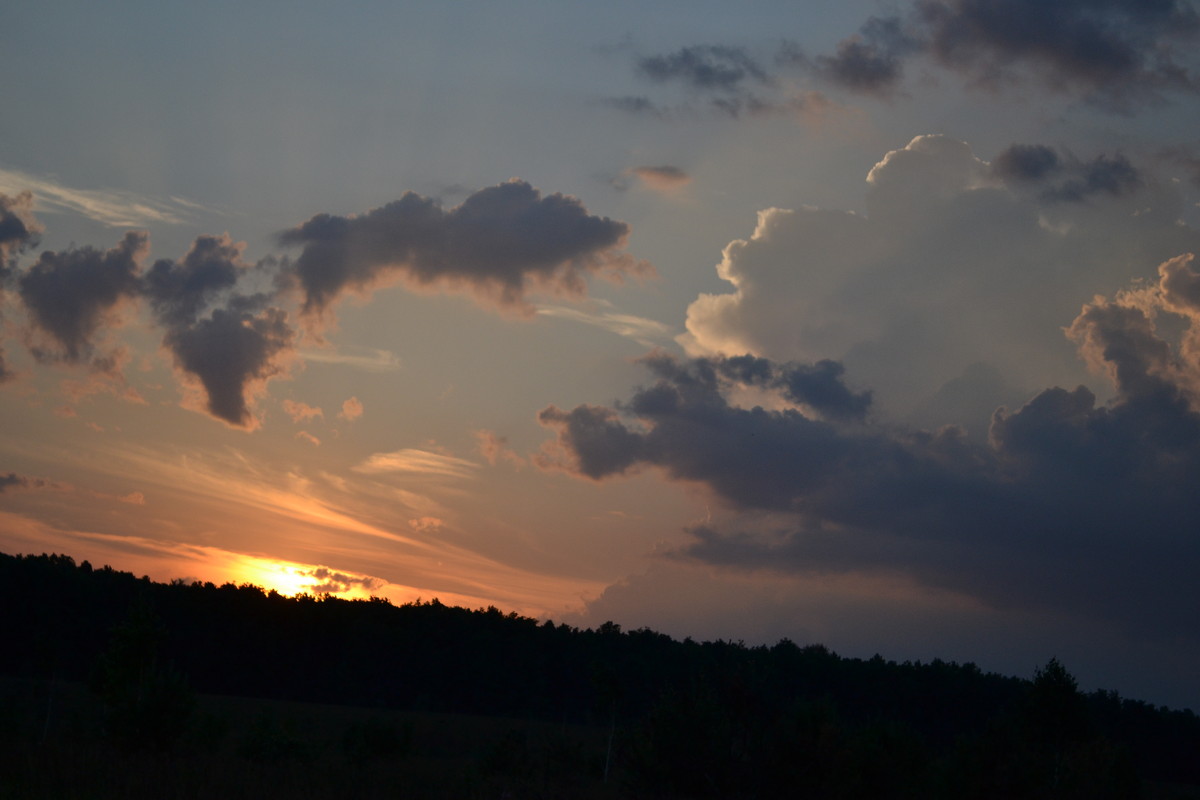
(678, 718)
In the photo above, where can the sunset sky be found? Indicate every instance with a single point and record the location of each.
(872, 324)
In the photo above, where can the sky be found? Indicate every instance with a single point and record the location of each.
(872, 324)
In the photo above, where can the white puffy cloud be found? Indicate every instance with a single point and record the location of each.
(951, 268)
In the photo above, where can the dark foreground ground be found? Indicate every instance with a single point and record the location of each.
(55, 746)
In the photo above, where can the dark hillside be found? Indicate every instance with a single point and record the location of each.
(757, 718)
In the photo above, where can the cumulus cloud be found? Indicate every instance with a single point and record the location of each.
(179, 290)
(501, 244)
(352, 409)
(230, 355)
(494, 449)
(71, 295)
(957, 263)
(1073, 505)
(299, 412)
(226, 345)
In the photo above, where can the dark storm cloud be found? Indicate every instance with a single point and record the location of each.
(179, 290)
(752, 457)
(1117, 48)
(500, 244)
(705, 68)
(871, 62)
(1064, 178)
(70, 294)
(1026, 162)
(1118, 54)
(1071, 505)
(232, 352)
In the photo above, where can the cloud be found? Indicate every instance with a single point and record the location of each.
(662, 179)
(71, 295)
(226, 345)
(114, 208)
(501, 244)
(1120, 51)
(426, 524)
(231, 355)
(1118, 55)
(706, 68)
(1065, 178)
(999, 243)
(179, 290)
(332, 582)
(724, 79)
(495, 449)
(305, 436)
(18, 231)
(422, 462)
(18, 228)
(646, 332)
(871, 62)
(365, 358)
(352, 409)
(12, 480)
(1073, 505)
(299, 412)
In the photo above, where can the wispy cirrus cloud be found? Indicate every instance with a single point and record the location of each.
(424, 462)
(364, 358)
(646, 332)
(117, 208)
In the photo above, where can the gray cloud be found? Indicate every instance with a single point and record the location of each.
(499, 245)
(1072, 504)
(1118, 54)
(71, 294)
(232, 353)
(18, 228)
(1120, 51)
(871, 62)
(706, 68)
(14, 481)
(1064, 178)
(18, 231)
(331, 582)
(179, 290)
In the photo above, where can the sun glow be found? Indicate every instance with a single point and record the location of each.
(290, 579)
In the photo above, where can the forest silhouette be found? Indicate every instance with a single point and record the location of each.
(118, 686)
